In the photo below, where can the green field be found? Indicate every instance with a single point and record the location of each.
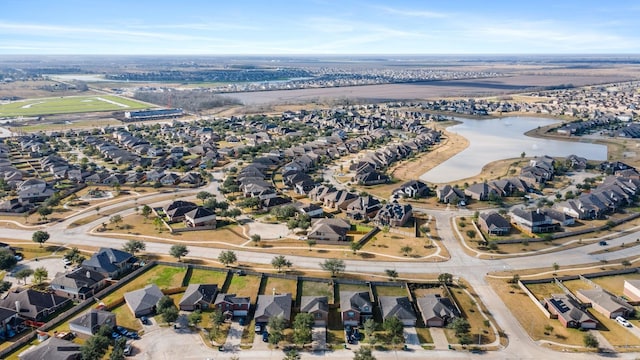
(69, 104)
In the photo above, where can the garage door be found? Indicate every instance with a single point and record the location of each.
(240, 313)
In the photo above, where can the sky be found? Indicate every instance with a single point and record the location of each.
(322, 27)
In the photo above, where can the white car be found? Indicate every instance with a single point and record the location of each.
(66, 261)
(622, 321)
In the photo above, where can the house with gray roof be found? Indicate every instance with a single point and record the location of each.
(329, 229)
(198, 297)
(269, 306)
(143, 301)
(90, 322)
(53, 349)
(112, 263)
(494, 224)
(605, 303)
(437, 311)
(534, 221)
(33, 305)
(569, 312)
(318, 307)
(398, 306)
(394, 214)
(200, 216)
(78, 284)
(355, 307)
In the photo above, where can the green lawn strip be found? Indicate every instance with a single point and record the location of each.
(201, 276)
(66, 105)
(391, 291)
(317, 288)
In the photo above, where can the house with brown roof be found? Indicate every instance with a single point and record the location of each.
(318, 307)
(355, 307)
(198, 297)
(78, 284)
(569, 312)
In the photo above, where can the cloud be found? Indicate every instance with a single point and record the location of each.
(413, 13)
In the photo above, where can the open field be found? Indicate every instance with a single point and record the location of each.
(66, 105)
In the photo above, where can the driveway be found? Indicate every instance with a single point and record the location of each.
(411, 338)
(234, 337)
(319, 338)
(53, 266)
(165, 343)
(439, 339)
(260, 345)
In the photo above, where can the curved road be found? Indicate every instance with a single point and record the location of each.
(472, 269)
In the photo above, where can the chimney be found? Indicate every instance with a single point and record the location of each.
(88, 273)
(17, 306)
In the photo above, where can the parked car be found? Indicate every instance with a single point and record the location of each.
(265, 336)
(241, 321)
(603, 243)
(145, 320)
(622, 321)
(127, 350)
(258, 328)
(66, 261)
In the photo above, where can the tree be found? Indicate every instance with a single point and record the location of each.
(40, 237)
(146, 211)
(311, 243)
(178, 251)
(364, 353)
(203, 195)
(279, 262)
(302, 328)
(406, 250)
(134, 246)
(4, 286)
(334, 266)
(370, 327)
(445, 278)
(394, 327)
(255, 238)
(590, 341)
(94, 348)
(40, 274)
(460, 326)
(471, 234)
(515, 279)
(292, 354)
(355, 246)
(227, 258)
(116, 220)
(7, 259)
(23, 274)
(158, 223)
(170, 315)
(118, 349)
(555, 266)
(626, 263)
(392, 274)
(44, 211)
(195, 317)
(276, 327)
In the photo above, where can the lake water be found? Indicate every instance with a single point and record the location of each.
(496, 139)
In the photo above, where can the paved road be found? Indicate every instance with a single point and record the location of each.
(460, 264)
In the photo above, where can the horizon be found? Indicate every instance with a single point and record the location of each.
(318, 28)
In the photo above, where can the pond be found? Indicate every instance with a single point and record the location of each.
(503, 138)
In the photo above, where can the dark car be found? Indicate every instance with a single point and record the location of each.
(258, 328)
(603, 243)
(241, 321)
(145, 320)
(265, 336)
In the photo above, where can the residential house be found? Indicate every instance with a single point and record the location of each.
(569, 312)
(412, 189)
(33, 305)
(53, 349)
(451, 195)
(329, 229)
(394, 214)
(311, 210)
(632, 290)
(232, 305)
(605, 303)
(534, 221)
(494, 224)
(437, 311)
(89, 323)
(318, 307)
(198, 297)
(78, 284)
(143, 301)
(363, 208)
(355, 307)
(274, 202)
(200, 216)
(339, 199)
(176, 210)
(109, 262)
(269, 306)
(481, 191)
(399, 306)
(371, 178)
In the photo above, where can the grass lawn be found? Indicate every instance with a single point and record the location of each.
(163, 276)
(575, 285)
(281, 286)
(248, 334)
(424, 336)
(125, 318)
(616, 334)
(531, 318)
(615, 284)
(200, 276)
(391, 291)
(544, 290)
(352, 287)
(247, 285)
(316, 288)
(68, 105)
(469, 308)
